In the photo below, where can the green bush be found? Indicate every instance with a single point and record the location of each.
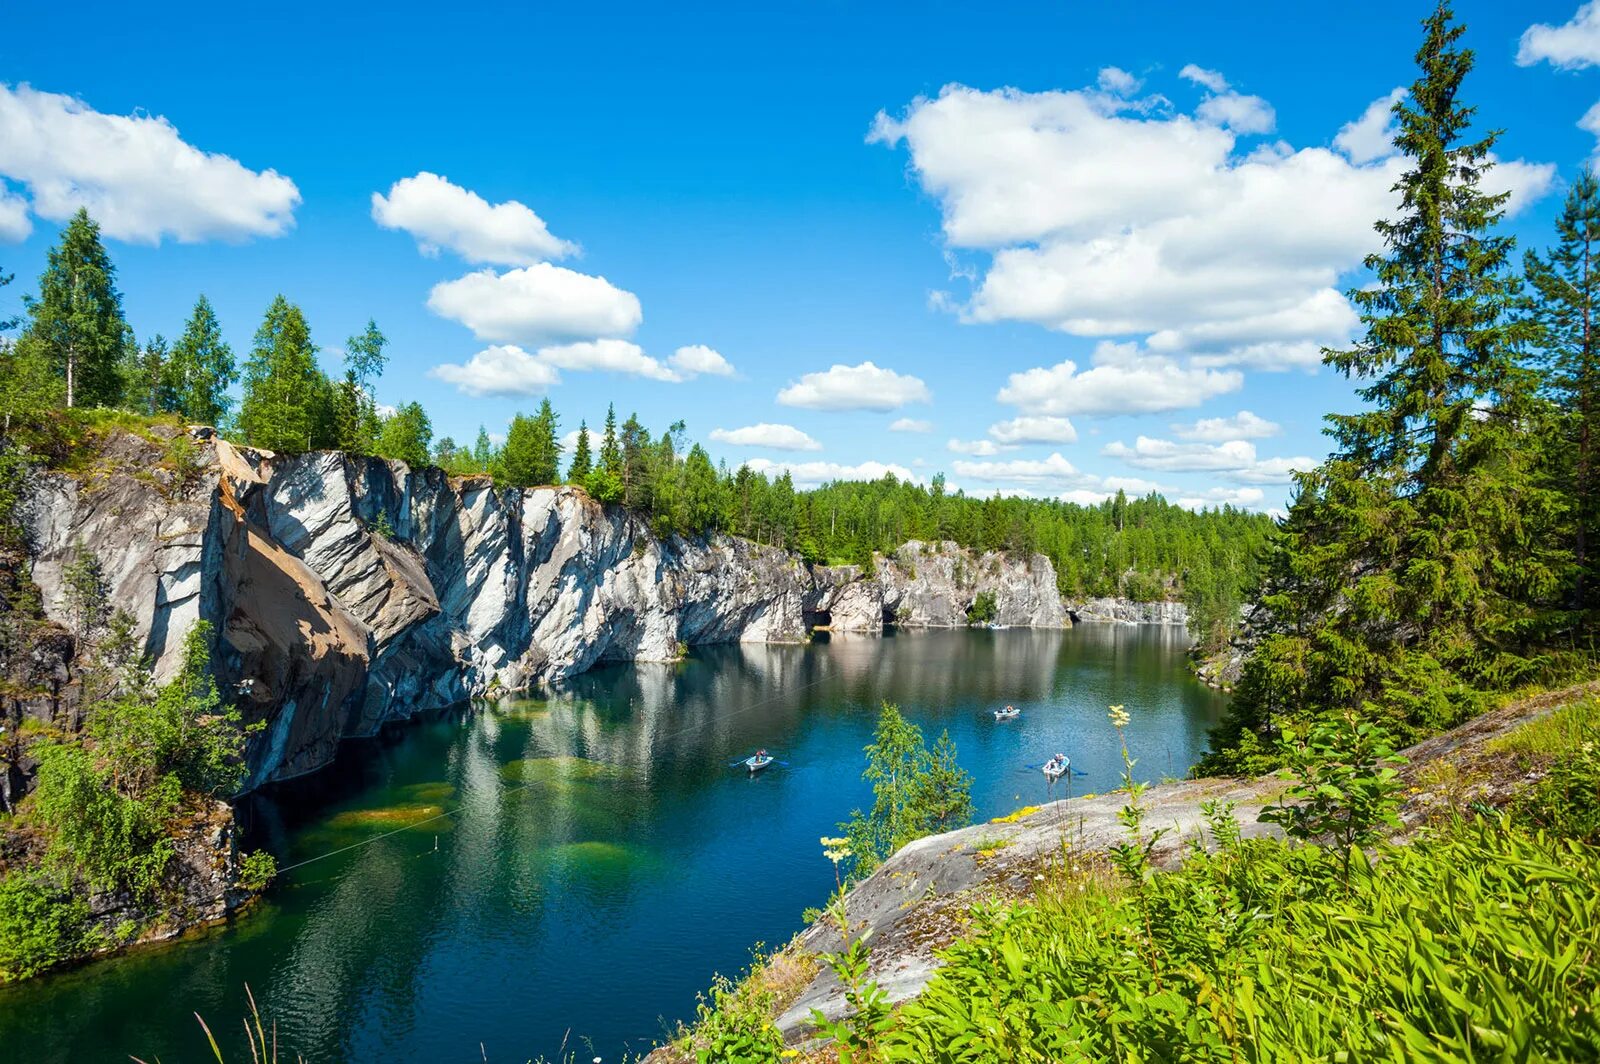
(257, 870)
(40, 925)
(1481, 945)
(916, 792)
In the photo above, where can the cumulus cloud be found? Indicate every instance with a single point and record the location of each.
(776, 437)
(505, 371)
(14, 223)
(535, 304)
(1235, 460)
(910, 424)
(1241, 426)
(1116, 80)
(1239, 498)
(440, 214)
(607, 356)
(139, 179)
(1372, 135)
(1102, 217)
(1052, 470)
(976, 448)
(1123, 380)
(1570, 46)
(815, 474)
(1020, 430)
(862, 387)
(697, 359)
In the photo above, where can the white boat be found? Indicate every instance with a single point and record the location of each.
(1056, 767)
(1009, 713)
(758, 761)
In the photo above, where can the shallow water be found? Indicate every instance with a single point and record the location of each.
(571, 870)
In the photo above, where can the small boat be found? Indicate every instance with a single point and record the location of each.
(758, 761)
(1009, 713)
(1056, 767)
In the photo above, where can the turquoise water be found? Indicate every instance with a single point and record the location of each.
(598, 859)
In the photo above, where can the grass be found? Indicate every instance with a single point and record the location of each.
(1556, 735)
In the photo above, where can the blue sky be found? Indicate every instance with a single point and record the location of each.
(1177, 227)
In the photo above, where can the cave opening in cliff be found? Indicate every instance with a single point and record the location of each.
(889, 616)
(817, 619)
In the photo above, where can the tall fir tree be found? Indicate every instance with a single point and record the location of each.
(76, 321)
(147, 386)
(1566, 285)
(1422, 542)
(283, 389)
(582, 459)
(200, 369)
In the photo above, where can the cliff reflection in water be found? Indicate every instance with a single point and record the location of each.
(597, 857)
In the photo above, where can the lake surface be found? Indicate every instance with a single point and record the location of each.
(599, 859)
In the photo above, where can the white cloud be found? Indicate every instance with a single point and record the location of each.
(1119, 81)
(607, 356)
(862, 387)
(1021, 430)
(776, 437)
(535, 304)
(1239, 498)
(1234, 459)
(1085, 496)
(1241, 426)
(1169, 457)
(14, 223)
(1102, 217)
(976, 448)
(441, 214)
(139, 179)
(814, 474)
(499, 371)
(1570, 46)
(1052, 470)
(910, 424)
(1209, 79)
(1240, 113)
(1123, 380)
(1372, 135)
(698, 359)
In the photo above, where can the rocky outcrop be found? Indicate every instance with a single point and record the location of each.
(1126, 611)
(346, 592)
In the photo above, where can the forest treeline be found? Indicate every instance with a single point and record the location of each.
(75, 351)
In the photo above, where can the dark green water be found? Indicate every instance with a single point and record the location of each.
(601, 859)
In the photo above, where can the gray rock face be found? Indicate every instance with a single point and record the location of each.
(1126, 611)
(346, 592)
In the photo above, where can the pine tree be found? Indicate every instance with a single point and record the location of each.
(283, 389)
(146, 386)
(1566, 284)
(531, 455)
(200, 369)
(547, 445)
(76, 321)
(582, 460)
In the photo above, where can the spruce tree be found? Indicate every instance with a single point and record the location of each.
(546, 445)
(147, 386)
(582, 460)
(1566, 284)
(283, 388)
(483, 451)
(76, 322)
(200, 369)
(1423, 536)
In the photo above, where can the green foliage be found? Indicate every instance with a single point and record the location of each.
(983, 609)
(406, 436)
(532, 452)
(286, 397)
(867, 1016)
(1347, 788)
(381, 525)
(1479, 945)
(733, 1024)
(75, 324)
(40, 925)
(98, 831)
(916, 792)
(257, 870)
(582, 460)
(200, 369)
